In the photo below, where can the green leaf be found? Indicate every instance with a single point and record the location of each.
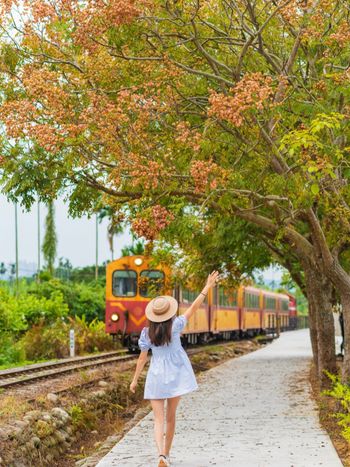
(315, 189)
(312, 169)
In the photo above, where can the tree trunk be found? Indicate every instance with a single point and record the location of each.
(345, 301)
(313, 331)
(320, 293)
(341, 281)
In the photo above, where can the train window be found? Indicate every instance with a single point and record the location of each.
(270, 303)
(233, 297)
(223, 299)
(227, 298)
(189, 296)
(124, 283)
(251, 300)
(285, 305)
(151, 282)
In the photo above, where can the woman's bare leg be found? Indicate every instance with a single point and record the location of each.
(172, 404)
(158, 412)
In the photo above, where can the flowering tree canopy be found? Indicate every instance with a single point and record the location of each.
(230, 109)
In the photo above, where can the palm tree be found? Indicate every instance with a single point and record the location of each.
(115, 226)
(16, 243)
(64, 268)
(49, 247)
(12, 272)
(38, 232)
(137, 248)
(2, 268)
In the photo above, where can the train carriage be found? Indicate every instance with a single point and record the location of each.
(251, 310)
(129, 283)
(132, 281)
(225, 312)
(293, 314)
(198, 327)
(283, 312)
(270, 308)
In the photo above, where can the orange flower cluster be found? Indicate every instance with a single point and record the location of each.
(321, 86)
(43, 85)
(47, 137)
(147, 175)
(114, 13)
(6, 5)
(47, 115)
(204, 174)
(42, 11)
(149, 227)
(187, 136)
(250, 93)
(90, 19)
(342, 36)
(17, 115)
(293, 11)
(315, 29)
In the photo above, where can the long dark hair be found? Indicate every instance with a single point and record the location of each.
(160, 333)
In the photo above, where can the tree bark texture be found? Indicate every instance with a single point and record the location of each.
(320, 294)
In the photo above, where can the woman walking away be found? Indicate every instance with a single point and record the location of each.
(170, 374)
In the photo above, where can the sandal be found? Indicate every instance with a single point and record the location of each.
(163, 461)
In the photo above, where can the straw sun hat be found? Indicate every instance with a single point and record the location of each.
(161, 308)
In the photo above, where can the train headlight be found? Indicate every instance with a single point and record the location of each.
(114, 317)
(138, 261)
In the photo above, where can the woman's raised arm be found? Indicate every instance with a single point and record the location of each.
(211, 281)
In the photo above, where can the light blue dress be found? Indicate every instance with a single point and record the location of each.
(170, 373)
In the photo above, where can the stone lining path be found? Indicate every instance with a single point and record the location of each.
(252, 411)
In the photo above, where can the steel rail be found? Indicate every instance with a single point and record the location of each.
(32, 373)
(51, 372)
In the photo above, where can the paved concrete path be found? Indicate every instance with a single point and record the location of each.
(252, 411)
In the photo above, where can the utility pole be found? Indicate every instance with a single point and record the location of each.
(16, 243)
(96, 247)
(38, 274)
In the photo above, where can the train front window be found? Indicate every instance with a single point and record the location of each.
(151, 282)
(124, 283)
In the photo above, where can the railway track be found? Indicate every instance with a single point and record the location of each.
(40, 371)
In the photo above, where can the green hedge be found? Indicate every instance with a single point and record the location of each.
(35, 324)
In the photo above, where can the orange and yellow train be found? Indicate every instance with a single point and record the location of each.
(131, 281)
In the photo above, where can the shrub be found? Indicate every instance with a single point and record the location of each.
(90, 302)
(42, 309)
(10, 352)
(82, 418)
(81, 299)
(91, 337)
(45, 342)
(18, 313)
(12, 318)
(49, 309)
(341, 392)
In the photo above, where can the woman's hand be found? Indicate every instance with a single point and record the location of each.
(133, 386)
(212, 279)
